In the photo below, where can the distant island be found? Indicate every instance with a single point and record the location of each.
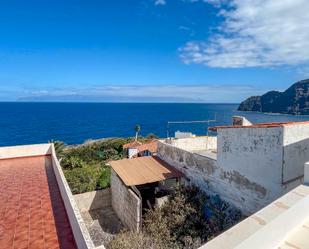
(294, 100)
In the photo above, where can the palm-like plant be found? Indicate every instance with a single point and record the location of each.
(59, 147)
(137, 129)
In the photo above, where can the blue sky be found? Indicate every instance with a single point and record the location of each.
(151, 50)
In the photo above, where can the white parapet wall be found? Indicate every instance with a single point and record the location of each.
(194, 143)
(80, 232)
(25, 151)
(281, 224)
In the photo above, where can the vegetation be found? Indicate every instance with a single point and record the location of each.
(189, 219)
(137, 129)
(85, 166)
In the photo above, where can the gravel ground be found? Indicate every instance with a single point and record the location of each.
(102, 224)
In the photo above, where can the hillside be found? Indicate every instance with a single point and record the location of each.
(294, 100)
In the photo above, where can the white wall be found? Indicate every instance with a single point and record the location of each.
(132, 152)
(194, 143)
(296, 151)
(79, 229)
(248, 170)
(256, 153)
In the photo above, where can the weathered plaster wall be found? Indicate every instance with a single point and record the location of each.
(205, 173)
(256, 154)
(126, 204)
(295, 151)
(93, 200)
(195, 143)
(254, 166)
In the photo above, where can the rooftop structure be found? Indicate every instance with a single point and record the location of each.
(138, 149)
(138, 184)
(148, 148)
(247, 165)
(132, 145)
(143, 170)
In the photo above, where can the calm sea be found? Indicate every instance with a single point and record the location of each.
(73, 123)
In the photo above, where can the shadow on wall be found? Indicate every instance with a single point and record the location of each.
(295, 155)
(101, 210)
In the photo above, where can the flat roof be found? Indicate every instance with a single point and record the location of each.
(261, 125)
(142, 170)
(32, 213)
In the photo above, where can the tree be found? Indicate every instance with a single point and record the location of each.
(137, 129)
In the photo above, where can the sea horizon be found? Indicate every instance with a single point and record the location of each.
(76, 122)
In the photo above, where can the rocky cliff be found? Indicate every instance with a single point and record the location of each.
(294, 100)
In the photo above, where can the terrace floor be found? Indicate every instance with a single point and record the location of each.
(103, 225)
(32, 213)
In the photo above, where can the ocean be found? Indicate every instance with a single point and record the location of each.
(74, 123)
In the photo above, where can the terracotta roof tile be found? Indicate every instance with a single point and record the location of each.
(261, 125)
(152, 147)
(133, 144)
(32, 213)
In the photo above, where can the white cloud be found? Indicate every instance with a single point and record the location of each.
(255, 33)
(160, 2)
(151, 93)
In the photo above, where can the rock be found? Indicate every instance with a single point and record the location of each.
(295, 100)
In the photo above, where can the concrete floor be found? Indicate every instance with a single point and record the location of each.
(206, 153)
(102, 224)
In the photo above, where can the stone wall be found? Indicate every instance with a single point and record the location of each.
(93, 200)
(126, 204)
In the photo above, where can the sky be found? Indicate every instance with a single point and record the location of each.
(212, 51)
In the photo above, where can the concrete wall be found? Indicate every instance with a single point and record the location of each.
(247, 182)
(295, 151)
(255, 154)
(194, 143)
(126, 204)
(99, 199)
(205, 173)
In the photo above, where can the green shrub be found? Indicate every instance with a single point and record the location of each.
(72, 162)
(188, 220)
(88, 178)
(104, 179)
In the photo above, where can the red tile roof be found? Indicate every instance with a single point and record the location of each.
(132, 145)
(32, 213)
(261, 125)
(152, 147)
